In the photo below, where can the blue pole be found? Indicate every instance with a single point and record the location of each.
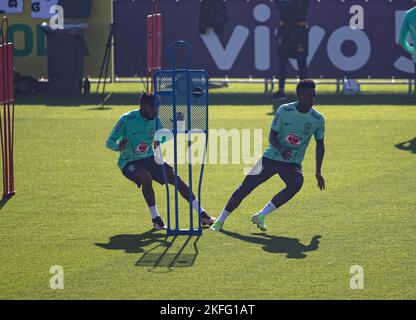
(188, 102)
(204, 157)
(175, 150)
(156, 105)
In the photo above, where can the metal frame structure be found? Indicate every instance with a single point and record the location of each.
(173, 74)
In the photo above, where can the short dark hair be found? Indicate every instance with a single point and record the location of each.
(305, 84)
(147, 97)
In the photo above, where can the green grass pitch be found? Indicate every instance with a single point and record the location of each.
(73, 208)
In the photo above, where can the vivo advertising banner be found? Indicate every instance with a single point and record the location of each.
(247, 46)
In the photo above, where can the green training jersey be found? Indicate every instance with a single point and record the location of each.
(140, 133)
(409, 28)
(294, 131)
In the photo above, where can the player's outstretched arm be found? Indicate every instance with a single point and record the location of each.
(320, 151)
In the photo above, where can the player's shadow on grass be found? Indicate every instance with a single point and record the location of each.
(160, 255)
(407, 145)
(133, 243)
(293, 248)
(181, 258)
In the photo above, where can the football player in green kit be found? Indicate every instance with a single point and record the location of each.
(133, 136)
(293, 126)
(408, 28)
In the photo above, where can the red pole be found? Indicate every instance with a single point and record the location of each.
(7, 130)
(4, 108)
(6, 153)
(12, 155)
(155, 35)
(153, 48)
(4, 134)
(9, 142)
(2, 156)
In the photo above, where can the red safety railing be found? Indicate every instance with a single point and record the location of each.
(7, 114)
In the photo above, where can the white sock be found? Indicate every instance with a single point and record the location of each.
(269, 208)
(224, 215)
(195, 205)
(153, 212)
